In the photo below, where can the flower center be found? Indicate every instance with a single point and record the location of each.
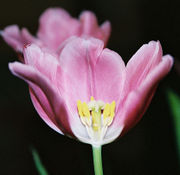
(97, 116)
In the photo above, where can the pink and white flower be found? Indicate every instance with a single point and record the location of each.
(87, 92)
(55, 26)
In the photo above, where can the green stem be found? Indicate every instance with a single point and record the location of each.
(174, 102)
(97, 158)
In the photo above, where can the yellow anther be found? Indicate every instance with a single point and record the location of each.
(92, 98)
(85, 110)
(111, 116)
(106, 111)
(79, 106)
(113, 105)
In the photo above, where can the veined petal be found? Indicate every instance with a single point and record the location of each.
(76, 60)
(32, 76)
(12, 35)
(32, 54)
(109, 76)
(138, 100)
(42, 61)
(141, 64)
(56, 25)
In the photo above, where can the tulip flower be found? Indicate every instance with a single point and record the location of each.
(88, 93)
(55, 26)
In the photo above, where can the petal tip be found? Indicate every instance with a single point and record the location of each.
(12, 66)
(86, 13)
(154, 43)
(169, 58)
(106, 27)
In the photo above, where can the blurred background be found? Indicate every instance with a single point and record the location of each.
(148, 149)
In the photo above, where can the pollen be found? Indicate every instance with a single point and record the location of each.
(97, 116)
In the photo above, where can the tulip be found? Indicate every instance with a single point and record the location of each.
(87, 92)
(55, 26)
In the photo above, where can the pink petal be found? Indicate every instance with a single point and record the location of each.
(64, 43)
(106, 29)
(138, 100)
(139, 66)
(49, 66)
(43, 108)
(57, 105)
(42, 61)
(56, 25)
(25, 34)
(76, 60)
(12, 36)
(29, 38)
(90, 26)
(17, 38)
(89, 22)
(109, 76)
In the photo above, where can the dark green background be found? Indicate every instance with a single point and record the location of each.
(148, 149)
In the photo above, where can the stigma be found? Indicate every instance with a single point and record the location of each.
(96, 116)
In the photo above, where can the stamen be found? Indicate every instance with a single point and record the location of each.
(113, 105)
(79, 106)
(84, 113)
(106, 113)
(111, 116)
(96, 116)
(85, 110)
